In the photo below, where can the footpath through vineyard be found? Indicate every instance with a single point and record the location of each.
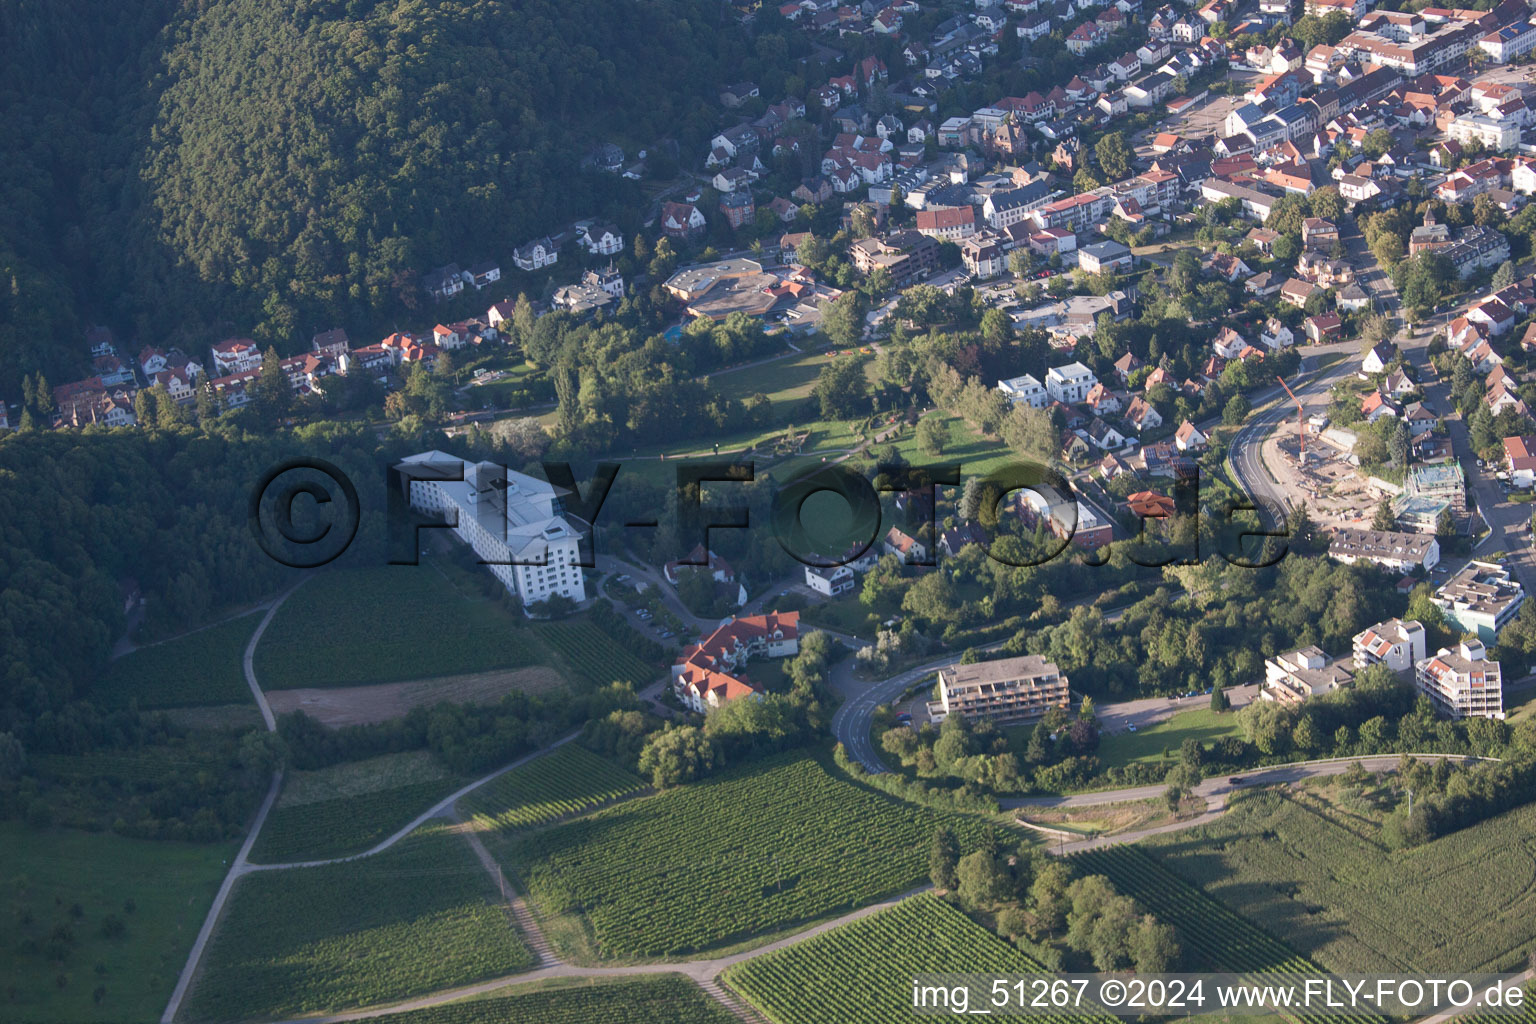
(705, 973)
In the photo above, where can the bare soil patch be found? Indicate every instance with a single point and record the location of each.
(361, 705)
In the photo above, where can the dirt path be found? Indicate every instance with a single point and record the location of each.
(338, 706)
(704, 972)
(241, 862)
(443, 808)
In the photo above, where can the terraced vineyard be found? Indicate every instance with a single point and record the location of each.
(201, 669)
(567, 781)
(595, 656)
(771, 845)
(1220, 939)
(664, 997)
(413, 919)
(862, 972)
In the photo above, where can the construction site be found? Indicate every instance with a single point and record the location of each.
(1328, 480)
(1314, 463)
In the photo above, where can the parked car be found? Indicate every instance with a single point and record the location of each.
(1131, 727)
(1236, 780)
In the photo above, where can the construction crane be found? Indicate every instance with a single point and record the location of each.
(1301, 423)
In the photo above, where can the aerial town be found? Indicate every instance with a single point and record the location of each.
(971, 490)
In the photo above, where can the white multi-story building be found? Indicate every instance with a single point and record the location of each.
(1025, 390)
(1005, 690)
(1396, 644)
(1492, 133)
(1069, 384)
(1463, 683)
(1301, 674)
(514, 522)
(1396, 552)
(1480, 599)
(1509, 42)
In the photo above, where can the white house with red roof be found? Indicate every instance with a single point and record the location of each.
(1188, 437)
(1520, 460)
(711, 673)
(236, 355)
(905, 547)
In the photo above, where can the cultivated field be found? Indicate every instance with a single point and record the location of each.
(413, 919)
(645, 1000)
(65, 958)
(749, 851)
(1335, 894)
(862, 972)
(383, 625)
(201, 669)
(568, 781)
(398, 624)
(596, 658)
(1213, 937)
(348, 808)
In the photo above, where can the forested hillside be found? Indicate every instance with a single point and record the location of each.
(193, 166)
(71, 72)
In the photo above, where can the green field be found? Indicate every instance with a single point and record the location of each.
(862, 972)
(1336, 895)
(785, 381)
(660, 999)
(414, 919)
(200, 669)
(348, 808)
(1147, 744)
(351, 627)
(158, 891)
(568, 781)
(752, 850)
(976, 454)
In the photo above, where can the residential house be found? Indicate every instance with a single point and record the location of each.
(1397, 644)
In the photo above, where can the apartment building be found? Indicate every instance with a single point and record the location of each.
(1069, 384)
(1396, 552)
(1480, 599)
(1024, 390)
(1394, 643)
(1005, 690)
(1462, 683)
(515, 523)
(1302, 674)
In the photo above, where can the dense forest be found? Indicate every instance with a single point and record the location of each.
(194, 166)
